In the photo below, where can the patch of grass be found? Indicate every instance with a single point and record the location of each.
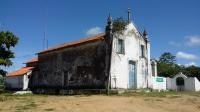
(144, 94)
(6, 93)
(43, 95)
(2, 99)
(5, 98)
(23, 95)
(175, 96)
(43, 101)
(49, 109)
(18, 110)
(159, 100)
(192, 100)
(187, 93)
(146, 99)
(21, 99)
(197, 94)
(170, 94)
(25, 108)
(30, 105)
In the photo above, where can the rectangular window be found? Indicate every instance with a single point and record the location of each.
(142, 51)
(120, 46)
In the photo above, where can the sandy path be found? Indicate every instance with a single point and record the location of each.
(98, 103)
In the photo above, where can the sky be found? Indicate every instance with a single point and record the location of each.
(173, 25)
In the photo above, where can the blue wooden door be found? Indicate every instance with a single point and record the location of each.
(132, 75)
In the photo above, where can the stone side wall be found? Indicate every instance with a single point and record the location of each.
(14, 83)
(77, 67)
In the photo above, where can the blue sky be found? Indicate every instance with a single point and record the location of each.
(173, 25)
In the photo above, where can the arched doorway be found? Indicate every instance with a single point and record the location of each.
(180, 83)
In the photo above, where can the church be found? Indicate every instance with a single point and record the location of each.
(108, 60)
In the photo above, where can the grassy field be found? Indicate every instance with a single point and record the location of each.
(127, 102)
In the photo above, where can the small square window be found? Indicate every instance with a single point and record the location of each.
(120, 46)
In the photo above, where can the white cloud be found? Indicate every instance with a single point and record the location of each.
(190, 64)
(94, 31)
(193, 40)
(186, 56)
(190, 41)
(176, 44)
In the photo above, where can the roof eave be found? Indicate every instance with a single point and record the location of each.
(78, 43)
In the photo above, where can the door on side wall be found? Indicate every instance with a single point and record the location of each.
(132, 75)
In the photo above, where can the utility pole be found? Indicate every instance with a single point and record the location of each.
(108, 39)
(45, 40)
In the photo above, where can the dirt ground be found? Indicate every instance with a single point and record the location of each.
(134, 102)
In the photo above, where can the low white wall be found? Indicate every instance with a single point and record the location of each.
(168, 83)
(159, 83)
(197, 84)
(171, 84)
(191, 84)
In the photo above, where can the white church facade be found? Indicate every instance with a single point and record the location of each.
(131, 66)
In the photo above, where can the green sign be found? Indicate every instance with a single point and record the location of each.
(159, 79)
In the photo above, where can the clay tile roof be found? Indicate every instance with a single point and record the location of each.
(78, 42)
(32, 60)
(19, 72)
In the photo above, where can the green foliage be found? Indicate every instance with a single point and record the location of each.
(167, 67)
(192, 71)
(49, 109)
(167, 57)
(7, 40)
(155, 94)
(119, 25)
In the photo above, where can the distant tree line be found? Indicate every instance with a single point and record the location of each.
(167, 67)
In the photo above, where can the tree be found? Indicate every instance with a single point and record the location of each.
(167, 69)
(192, 71)
(167, 66)
(167, 57)
(7, 41)
(119, 25)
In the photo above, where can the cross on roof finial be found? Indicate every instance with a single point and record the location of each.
(129, 15)
(109, 19)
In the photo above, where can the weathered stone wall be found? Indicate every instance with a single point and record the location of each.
(77, 67)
